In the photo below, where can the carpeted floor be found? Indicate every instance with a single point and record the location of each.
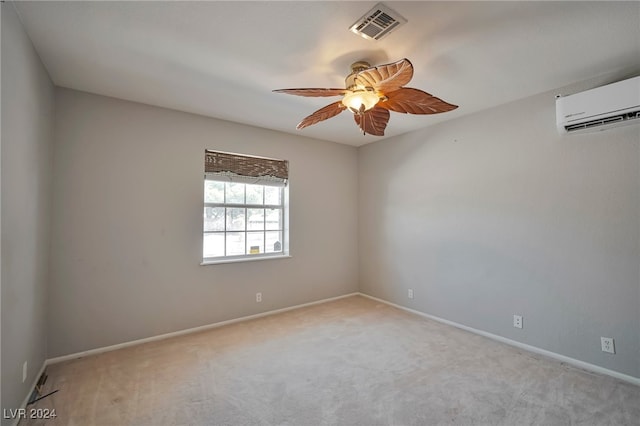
(348, 362)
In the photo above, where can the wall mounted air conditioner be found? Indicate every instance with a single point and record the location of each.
(613, 105)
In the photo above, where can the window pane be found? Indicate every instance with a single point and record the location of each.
(255, 219)
(273, 242)
(235, 219)
(255, 242)
(272, 195)
(235, 192)
(213, 191)
(214, 218)
(213, 245)
(235, 243)
(254, 194)
(236, 222)
(273, 219)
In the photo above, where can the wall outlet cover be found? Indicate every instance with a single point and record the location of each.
(517, 321)
(608, 345)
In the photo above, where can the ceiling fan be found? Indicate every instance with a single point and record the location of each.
(370, 93)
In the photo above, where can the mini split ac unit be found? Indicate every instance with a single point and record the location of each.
(613, 105)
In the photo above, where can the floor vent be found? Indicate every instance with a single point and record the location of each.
(377, 23)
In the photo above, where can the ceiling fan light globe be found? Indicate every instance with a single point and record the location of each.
(355, 99)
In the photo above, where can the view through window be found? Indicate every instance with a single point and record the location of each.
(242, 219)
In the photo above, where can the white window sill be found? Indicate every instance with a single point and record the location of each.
(244, 259)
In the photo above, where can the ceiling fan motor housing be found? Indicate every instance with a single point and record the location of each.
(350, 81)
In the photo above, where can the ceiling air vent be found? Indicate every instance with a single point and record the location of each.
(377, 23)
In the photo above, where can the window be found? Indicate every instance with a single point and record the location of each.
(245, 209)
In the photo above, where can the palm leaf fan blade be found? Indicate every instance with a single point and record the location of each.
(373, 122)
(313, 92)
(414, 101)
(388, 77)
(322, 114)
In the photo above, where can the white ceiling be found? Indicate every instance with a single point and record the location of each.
(222, 59)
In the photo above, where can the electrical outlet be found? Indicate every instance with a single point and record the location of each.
(410, 293)
(24, 371)
(517, 321)
(608, 345)
(258, 297)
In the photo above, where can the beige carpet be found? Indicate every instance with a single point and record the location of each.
(349, 362)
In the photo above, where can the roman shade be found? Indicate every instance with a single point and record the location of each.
(229, 167)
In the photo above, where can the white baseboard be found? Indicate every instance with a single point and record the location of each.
(529, 348)
(187, 331)
(31, 388)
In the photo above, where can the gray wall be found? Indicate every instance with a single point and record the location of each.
(496, 214)
(27, 140)
(127, 224)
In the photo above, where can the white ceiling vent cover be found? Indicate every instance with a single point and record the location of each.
(377, 23)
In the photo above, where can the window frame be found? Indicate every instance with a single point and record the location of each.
(284, 231)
